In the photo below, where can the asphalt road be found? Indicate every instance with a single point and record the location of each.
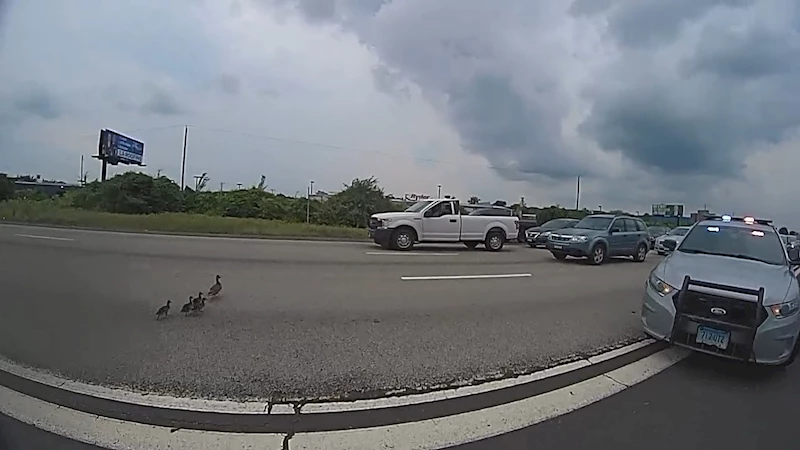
(299, 319)
(700, 403)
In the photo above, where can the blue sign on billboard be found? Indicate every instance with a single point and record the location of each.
(117, 148)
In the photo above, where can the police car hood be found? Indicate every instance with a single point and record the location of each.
(777, 281)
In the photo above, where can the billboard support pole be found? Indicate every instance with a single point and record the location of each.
(103, 170)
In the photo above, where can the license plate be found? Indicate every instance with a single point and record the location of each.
(710, 336)
(557, 246)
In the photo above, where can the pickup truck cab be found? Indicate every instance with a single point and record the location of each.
(440, 221)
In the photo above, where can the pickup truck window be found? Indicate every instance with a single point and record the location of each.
(419, 206)
(447, 209)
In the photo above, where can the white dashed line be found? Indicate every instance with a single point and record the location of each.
(467, 277)
(412, 253)
(50, 238)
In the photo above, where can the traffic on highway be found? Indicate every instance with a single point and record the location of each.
(324, 330)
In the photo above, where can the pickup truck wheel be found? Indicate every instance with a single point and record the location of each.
(403, 239)
(494, 241)
(471, 245)
(641, 253)
(598, 254)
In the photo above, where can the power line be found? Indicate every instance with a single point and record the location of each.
(340, 147)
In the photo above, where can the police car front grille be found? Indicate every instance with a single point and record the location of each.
(737, 312)
(374, 223)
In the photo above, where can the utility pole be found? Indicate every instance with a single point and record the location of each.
(238, 185)
(197, 179)
(183, 159)
(308, 202)
(158, 173)
(220, 186)
(81, 179)
(578, 195)
(439, 191)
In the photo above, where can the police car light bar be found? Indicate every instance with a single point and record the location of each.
(748, 220)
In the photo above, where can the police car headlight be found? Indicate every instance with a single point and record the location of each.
(660, 286)
(787, 309)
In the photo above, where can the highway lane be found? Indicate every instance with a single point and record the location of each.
(700, 403)
(299, 319)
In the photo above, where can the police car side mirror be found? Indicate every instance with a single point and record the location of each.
(794, 255)
(669, 244)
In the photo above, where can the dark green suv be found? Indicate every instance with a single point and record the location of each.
(601, 236)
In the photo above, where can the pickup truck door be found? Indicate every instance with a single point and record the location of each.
(441, 223)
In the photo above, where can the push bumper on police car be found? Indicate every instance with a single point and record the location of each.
(726, 321)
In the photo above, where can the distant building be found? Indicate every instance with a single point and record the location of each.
(50, 188)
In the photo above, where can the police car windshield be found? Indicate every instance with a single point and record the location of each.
(594, 223)
(735, 242)
(678, 232)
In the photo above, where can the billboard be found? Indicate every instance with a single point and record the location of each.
(415, 197)
(668, 210)
(120, 149)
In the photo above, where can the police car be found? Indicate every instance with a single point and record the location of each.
(729, 289)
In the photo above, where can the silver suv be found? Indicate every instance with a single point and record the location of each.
(727, 289)
(600, 236)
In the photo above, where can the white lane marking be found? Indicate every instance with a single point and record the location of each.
(426, 434)
(260, 407)
(51, 238)
(118, 434)
(482, 424)
(412, 253)
(467, 277)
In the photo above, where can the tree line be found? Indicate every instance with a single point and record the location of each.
(139, 193)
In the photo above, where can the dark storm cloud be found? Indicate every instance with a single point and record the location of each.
(37, 102)
(649, 22)
(668, 100)
(454, 51)
(733, 90)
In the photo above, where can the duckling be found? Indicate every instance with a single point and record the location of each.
(216, 288)
(198, 303)
(163, 311)
(187, 307)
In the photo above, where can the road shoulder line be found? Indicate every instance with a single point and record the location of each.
(427, 434)
(229, 416)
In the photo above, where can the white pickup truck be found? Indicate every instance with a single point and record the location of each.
(441, 221)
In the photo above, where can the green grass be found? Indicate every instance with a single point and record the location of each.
(49, 213)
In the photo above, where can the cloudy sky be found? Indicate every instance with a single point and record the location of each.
(649, 101)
